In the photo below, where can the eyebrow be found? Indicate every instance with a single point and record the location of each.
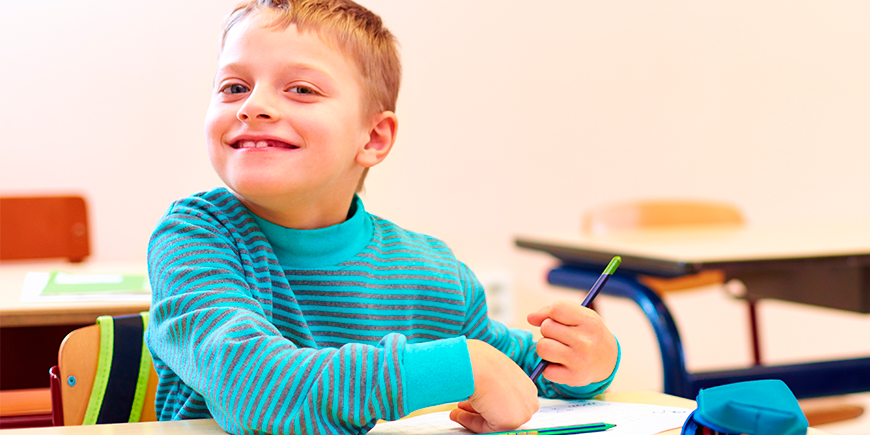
(290, 68)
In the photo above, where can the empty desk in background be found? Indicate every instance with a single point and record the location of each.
(823, 265)
(15, 313)
(31, 332)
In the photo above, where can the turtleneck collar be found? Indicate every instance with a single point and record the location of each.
(323, 247)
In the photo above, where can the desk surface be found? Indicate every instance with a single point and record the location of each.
(690, 249)
(209, 427)
(14, 312)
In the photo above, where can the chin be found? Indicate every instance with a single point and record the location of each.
(259, 186)
(259, 190)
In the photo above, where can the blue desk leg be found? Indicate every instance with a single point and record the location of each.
(676, 377)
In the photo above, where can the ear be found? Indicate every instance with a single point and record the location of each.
(381, 138)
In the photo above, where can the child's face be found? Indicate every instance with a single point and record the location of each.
(285, 119)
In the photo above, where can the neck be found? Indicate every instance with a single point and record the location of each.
(322, 247)
(302, 213)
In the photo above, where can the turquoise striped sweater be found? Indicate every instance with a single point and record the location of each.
(274, 330)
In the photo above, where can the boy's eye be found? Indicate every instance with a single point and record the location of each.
(301, 90)
(234, 89)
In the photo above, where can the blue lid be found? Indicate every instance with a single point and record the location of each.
(765, 407)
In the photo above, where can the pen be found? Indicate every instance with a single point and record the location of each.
(614, 263)
(561, 430)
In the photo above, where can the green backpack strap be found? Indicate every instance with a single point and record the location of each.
(123, 369)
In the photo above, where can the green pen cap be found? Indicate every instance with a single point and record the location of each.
(613, 265)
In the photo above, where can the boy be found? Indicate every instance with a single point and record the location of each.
(282, 306)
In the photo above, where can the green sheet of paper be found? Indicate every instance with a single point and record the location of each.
(63, 283)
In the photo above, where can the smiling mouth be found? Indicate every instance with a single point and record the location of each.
(263, 144)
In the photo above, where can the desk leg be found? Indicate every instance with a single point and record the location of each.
(676, 377)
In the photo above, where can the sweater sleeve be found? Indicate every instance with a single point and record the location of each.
(215, 345)
(518, 344)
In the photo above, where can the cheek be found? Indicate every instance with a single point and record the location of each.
(215, 157)
(215, 124)
(329, 124)
(215, 127)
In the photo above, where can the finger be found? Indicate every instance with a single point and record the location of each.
(466, 406)
(535, 318)
(470, 420)
(553, 351)
(558, 373)
(454, 414)
(571, 313)
(575, 337)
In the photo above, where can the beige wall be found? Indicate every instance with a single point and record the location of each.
(512, 118)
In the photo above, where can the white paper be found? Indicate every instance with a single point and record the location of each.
(69, 278)
(629, 418)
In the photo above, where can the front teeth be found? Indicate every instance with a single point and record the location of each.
(252, 144)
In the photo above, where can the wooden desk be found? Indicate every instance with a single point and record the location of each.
(14, 313)
(786, 262)
(209, 427)
(825, 265)
(31, 332)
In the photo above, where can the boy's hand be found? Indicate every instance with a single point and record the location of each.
(578, 345)
(504, 396)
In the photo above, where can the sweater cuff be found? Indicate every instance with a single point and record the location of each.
(437, 372)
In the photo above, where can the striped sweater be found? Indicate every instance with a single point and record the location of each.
(274, 330)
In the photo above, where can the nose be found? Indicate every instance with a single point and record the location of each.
(258, 106)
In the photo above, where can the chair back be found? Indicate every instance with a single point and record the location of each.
(659, 213)
(44, 227)
(106, 374)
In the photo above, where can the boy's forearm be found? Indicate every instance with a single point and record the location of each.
(253, 381)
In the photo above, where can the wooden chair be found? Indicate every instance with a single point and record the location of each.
(105, 374)
(664, 213)
(24, 408)
(36, 228)
(44, 227)
(636, 215)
